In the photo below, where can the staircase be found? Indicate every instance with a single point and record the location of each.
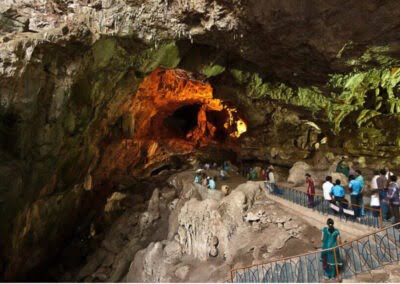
(358, 256)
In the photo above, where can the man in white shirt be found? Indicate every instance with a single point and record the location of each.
(326, 188)
(374, 183)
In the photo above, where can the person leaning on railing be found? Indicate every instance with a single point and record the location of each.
(338, 193)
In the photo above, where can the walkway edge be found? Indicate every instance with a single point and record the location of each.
(317, 219)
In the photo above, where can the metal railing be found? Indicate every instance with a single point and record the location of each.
(344, 210)
(343, 261)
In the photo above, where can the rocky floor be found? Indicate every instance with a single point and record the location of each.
(186, 233)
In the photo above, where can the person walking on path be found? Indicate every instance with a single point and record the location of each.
(355, 196)
(310, 190)
(330, 258)
(393, 198)
(382, 191)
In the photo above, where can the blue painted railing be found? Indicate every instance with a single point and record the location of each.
(372, 217)
(345, 261)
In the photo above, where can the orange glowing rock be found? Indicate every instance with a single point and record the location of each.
(164, 91)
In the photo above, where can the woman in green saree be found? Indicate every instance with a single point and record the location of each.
(330, 239)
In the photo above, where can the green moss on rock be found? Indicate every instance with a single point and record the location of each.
(166, 55)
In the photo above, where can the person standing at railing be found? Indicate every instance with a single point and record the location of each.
(310, 190)
(360, 178)
(269, 182)
(375, 203)
(382, 190)
(330, 259)
(393, 198)
(355, 196)
(326, 188)
(337, 194)
(374, 183)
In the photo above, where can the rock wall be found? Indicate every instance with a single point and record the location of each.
(308, 77)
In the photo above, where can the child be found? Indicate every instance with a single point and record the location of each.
(375, 202)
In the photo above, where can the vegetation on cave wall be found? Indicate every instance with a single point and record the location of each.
(368, 93)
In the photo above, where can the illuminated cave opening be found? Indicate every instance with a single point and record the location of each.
(175, 107)
(183, 120)
(218, 119)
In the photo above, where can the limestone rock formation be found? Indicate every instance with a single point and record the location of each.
(304, 78)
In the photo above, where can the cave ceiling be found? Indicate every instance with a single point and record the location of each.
(76, 108)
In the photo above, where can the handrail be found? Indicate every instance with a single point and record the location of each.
(322, 196)
(316, 251)
(374, 211)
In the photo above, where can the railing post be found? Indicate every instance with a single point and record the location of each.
(336, 265)
(380, 218)
(231, 276)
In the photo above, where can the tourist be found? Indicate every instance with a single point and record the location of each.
(211, 182)
(204, 180)
(374, 183)
(263, 174)
(338, 193)
(226, 166)
(253, 174)
(248, 174)
(343, 167)
(375, 203)
(388, 173)
(330, 259)
(382, 191)
(270, 180)
(310, 190)
(326, 188)
(355, 195)
(197, 179)
(222, 174)
(393, 199)
(360, 178)
(270, 174)
(206, 166)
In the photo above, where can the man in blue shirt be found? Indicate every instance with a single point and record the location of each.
(355, 195)
(337, 193)
(360, 178)
(211, 183)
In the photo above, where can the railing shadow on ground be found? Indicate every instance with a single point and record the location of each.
(343, 261)
(344, 210)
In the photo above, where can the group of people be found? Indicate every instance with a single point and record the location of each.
(210, 182)
(384, 193)
(204, 180)
(259, 173)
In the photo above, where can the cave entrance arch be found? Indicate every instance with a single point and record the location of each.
(174, 104)
(182, 120)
